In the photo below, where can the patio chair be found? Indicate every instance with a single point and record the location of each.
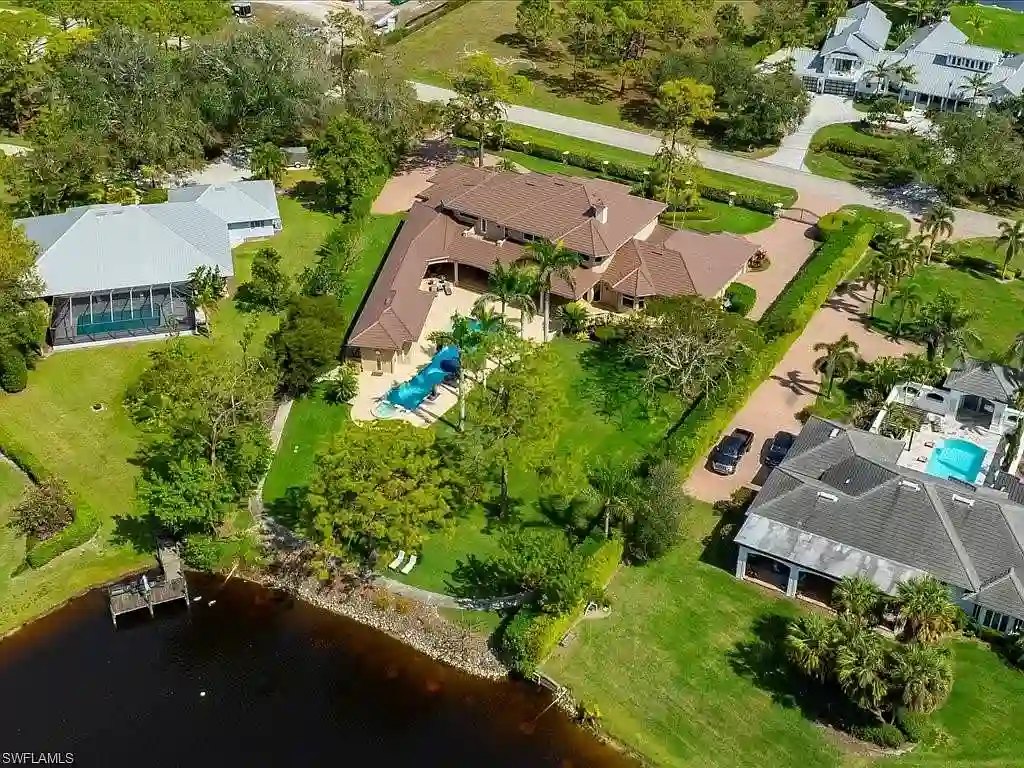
(397, 562)
(409, 565)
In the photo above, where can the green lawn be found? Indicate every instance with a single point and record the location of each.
(10, 138)
(376, 239)
(721, 217)
(93, 451)
(986, 253)
(676, 675)
(879, 217)
(997, 305)
(1004, 29)
(837, 166)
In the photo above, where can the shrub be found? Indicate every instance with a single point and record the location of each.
(884, 735)
(46, 510)
(574, 317)
(658, 522)
(917, 727)
(740, 298)
(308, 342)
(853, 149)
(13, 370)
(344, 386)
(202, 552)
(155, 195)
(831, 223)
(80, 531)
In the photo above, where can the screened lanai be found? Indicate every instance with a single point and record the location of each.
(122, 314)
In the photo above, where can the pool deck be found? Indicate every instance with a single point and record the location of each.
(924, 441)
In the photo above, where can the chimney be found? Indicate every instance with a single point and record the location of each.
(601, 211)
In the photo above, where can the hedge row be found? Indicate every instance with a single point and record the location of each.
(784, 321)
(624, 171)
(85, 524)
(852, 149)
(531, 636)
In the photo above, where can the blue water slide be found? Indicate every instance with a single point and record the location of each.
(413, 392)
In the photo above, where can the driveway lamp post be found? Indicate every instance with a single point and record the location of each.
(732, 198)
(565, 156)
(778, 209)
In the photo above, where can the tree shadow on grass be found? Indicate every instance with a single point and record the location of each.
(287, 509)
(310, 194)
(614, 386)
(640, 110)
(575, 515)
(138, 531)
(475, 578)
(719, 547)
(586, 86)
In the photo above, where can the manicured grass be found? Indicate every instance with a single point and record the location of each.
(986, 250)
(722, 217)
(12, 546)
(880, 217)
(377, 236)
(996, 304)
(834, 165)
(852, 132)
(478, 622)
(94, 451)
(1004, 29)
(831, 166)
(10, 138)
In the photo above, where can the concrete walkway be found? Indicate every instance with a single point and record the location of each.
(816, 193)
(826, 109)
(14, 149)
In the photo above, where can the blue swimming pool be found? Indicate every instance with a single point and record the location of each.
(956, 459)
(411, 394)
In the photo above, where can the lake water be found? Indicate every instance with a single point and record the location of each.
(285, 685)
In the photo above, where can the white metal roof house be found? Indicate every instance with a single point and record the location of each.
(248, 208)
(846, 502)
(948, 71)
(114, 272)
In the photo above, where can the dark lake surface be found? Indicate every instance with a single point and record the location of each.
(285, 685)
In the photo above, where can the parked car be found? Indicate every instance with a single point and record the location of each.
(729, 452)
(778, 448)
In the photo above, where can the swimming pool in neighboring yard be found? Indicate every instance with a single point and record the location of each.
(956, 459)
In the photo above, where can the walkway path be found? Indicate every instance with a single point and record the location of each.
(13, 149)
(788, 247)
(816, 193)
(792, 386)
(826, 109)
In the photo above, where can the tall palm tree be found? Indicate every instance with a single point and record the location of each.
(615, 486)
(937, 223)
(1014, 354)
(511, 287)
(810, 644)
(912, 251)
(976, 83)
(925, 612)
(466, 337)
(553, 260)
(862, 662)
(1011, 237)
(878, 274)
(943, 325)
(840, 359)
(976, 20)
(925, 674)
(858, 599)
(881, 71)
(906, 298)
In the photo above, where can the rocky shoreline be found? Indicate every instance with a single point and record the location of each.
(420, 626)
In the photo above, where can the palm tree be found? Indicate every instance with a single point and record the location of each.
(906, 298)
(925, 674)
(1011, 237)
(511, 287)
(810, 645)
(1014, 354)
(616, 488)
(925, 611)
(466, 337)
(879, 274)
(574, 316)
(840, 359)
(553, 260)
(859, 599)
(206, 286)
(912, 251)
(977, 83)
(943, 325)
(267, 162)
(977, 20)
(881, 71)
(937, 223)
(862, 662)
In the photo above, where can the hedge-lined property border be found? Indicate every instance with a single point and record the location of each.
(81, 529)
(619, 170)
(531, 636)
(785, 319)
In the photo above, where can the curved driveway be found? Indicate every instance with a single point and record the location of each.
(815, 192)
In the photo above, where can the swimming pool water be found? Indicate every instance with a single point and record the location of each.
(416, 389)
(957, 459)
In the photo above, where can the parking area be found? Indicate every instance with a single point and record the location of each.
(793, 386)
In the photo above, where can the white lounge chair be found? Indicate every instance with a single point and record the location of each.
(409, 565)
(397, 562)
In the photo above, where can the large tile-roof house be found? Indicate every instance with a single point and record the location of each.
(469, 219)
(842, 504)
(120, 272)
(942, 60)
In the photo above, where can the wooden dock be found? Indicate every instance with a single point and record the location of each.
(150, 591)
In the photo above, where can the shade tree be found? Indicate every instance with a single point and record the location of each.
(481, 86)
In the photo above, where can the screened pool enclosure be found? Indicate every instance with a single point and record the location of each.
(122, 314)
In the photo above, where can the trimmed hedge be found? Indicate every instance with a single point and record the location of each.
(884, 735)
(783, 323)
(623, 171)
(917, 727)
(831, 223)
(852, 149)
(82, 528)
(531, 636)
(741, 298)
(13, 370)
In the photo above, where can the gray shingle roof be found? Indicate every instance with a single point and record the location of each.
(111, 247)
(843, 485)
(1004, 594)
(232, 203)
(990, 380)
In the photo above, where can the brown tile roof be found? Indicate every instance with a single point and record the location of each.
(550, 206)
(711, 259)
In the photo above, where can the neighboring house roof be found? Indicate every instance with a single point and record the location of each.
(842, 485)
(234, 202)
(989, 380)
(550, 206)
(113, 247)
(1004, 594)
(861, 32)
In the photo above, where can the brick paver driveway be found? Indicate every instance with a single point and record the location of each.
(788, 246)
(792, 386)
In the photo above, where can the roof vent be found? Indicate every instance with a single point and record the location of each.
(833, 433)
(908, 484)
(827, 496)
(601, 211)
(963, 499)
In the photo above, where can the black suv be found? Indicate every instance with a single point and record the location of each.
(778, 448)
(729, 452)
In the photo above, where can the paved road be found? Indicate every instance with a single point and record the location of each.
(826, 109)
(816, 192)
